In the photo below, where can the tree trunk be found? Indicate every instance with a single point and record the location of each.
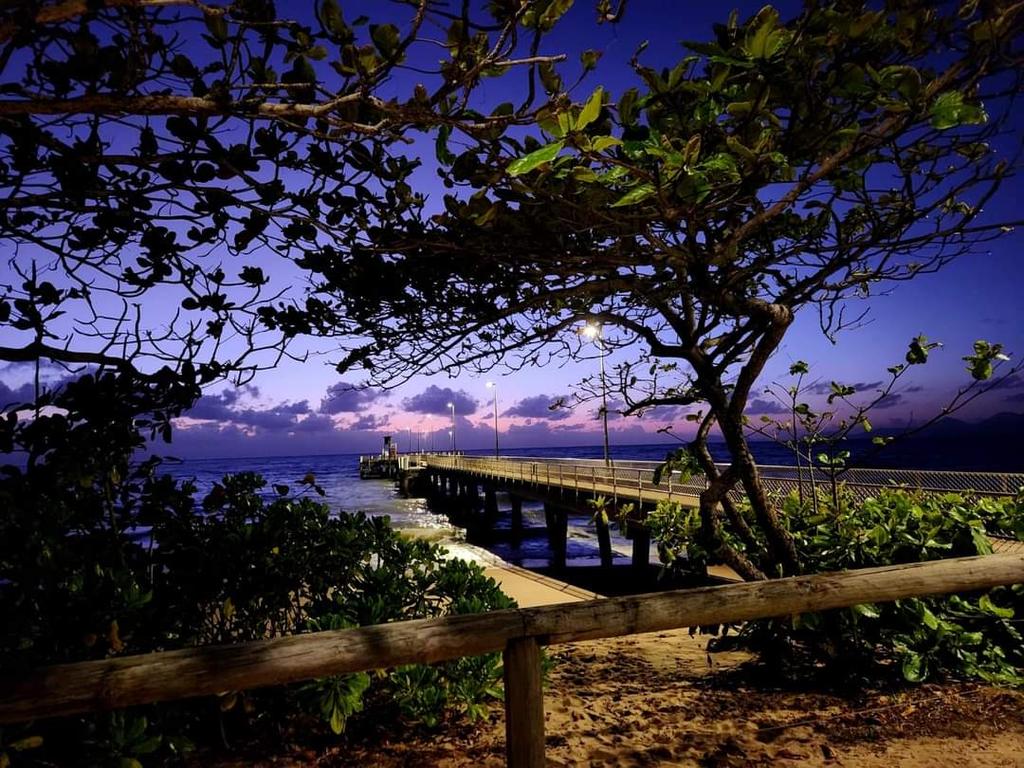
(711, 531)
(700, 450)
(782, 550)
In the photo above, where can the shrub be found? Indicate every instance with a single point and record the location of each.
(101, 557)
(971, 635)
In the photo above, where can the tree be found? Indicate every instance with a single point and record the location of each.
(168, 166)
(781, 168)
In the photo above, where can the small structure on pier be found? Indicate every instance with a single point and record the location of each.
(386, 464)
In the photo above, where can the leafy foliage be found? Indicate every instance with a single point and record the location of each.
(974, 635)
(103, 557)
(210, 153)
(805, 429)
(781, 166)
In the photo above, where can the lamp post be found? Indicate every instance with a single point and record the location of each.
(494, 386)
(593, 331)
(452, 432)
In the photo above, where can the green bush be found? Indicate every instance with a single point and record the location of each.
(973, 635)
(102, 557)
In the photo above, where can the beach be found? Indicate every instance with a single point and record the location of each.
(662, 699)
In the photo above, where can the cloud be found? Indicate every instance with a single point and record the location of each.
(51, 378)
(759, 406)
(1013, 381)
(434, 400)
(315, 424)
(369, 422)
(16, 395)
(220, 407)
(539, 407)
(312, 435)
(825, 387)
(666, 413)
(344, 397)
(890, 401)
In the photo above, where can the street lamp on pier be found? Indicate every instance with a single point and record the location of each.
(593, 331)
(494, 386)
(452, 431)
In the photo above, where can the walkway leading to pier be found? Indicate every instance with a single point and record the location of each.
(531, 589)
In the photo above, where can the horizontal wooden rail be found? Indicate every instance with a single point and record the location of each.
(627, 476)
(100, 685)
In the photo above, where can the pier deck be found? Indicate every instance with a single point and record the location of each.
(581, 486)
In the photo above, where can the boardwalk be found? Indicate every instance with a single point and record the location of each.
(634, 480)
(572, 483)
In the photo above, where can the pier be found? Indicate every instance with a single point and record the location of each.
(469, 486)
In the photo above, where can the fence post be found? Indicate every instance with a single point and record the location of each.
(524, 704)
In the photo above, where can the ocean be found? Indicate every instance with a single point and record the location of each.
(338, 474)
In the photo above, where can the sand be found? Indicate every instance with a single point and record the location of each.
(662, 700)
(659, 700)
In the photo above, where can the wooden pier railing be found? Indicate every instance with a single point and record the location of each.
(121, 682)
(634, 480)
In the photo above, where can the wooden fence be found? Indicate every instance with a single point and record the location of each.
(121, 682)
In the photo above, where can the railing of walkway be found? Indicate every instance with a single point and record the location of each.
(134, 680)
(634, 478)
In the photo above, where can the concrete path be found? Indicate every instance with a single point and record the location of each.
(530, 589)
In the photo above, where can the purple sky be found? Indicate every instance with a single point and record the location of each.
(304, 408)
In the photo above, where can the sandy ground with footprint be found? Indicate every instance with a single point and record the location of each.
(662, 700)
(658, 700)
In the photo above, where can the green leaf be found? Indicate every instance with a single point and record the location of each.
(928, 618)
(29, 742)
(444, 155)
(867, 609)
(722, 163)
(636, 195)
(914, 669)
(949, 111)
(385, 37)
(985, 603)
(768, 38)
(555, 10)
(217, 25)
(589, 59)
(601, 143)
(628, 106)
(591, 109)
(337, 721)
(982, 543)
(917, 352)
(535, 159)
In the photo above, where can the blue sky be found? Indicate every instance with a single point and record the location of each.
(306, 407)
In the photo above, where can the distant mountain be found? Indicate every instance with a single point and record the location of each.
(1005, 424)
